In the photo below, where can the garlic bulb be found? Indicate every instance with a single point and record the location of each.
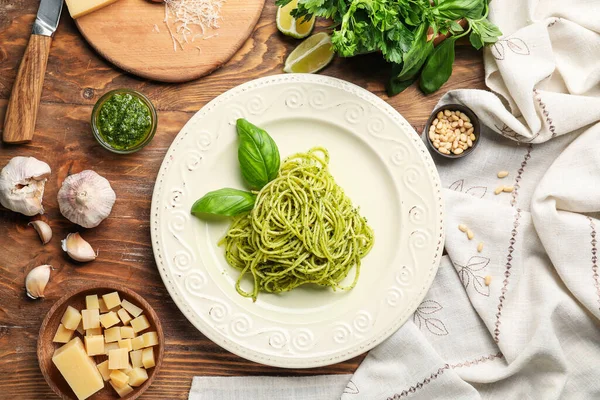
(77, 248)
(86, 199)
(22, 183)
(43, 229)
(36, 281)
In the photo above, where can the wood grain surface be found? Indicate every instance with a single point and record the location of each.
(132, 35)
(21, 113)
(76, 77)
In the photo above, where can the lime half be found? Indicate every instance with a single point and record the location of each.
(312, 55)
(289, 26)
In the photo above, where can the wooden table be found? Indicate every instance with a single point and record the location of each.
(76, 77)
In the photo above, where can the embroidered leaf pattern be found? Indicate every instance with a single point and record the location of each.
(429, 307)
(421, 317)
(351, 388)
(466, 274)
(477, 263)
(458, 185)
(480, 287)
(477, 191)
(436, 326)
(498, 51)
(518, 46)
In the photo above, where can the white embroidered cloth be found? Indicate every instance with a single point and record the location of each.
(534, 331)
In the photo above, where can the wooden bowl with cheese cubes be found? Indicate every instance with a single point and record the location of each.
(100, 343)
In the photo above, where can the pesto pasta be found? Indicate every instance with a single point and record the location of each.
(303, 229)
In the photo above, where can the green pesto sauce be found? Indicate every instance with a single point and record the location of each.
(124, 121)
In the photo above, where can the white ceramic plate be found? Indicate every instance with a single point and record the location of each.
(382, 165)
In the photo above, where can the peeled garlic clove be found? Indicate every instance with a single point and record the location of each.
(77, 248)
(36, 281)
(43, 229)
(22, 183)
(86, 199)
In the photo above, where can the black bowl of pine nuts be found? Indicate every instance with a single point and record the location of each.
(453, 131)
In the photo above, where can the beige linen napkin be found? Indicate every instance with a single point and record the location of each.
(534, 331)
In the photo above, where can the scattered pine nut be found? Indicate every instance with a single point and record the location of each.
(462, 228)
(502, 174)
(488, 280)
(499, 189)
(508, 189)
(470, 234)
(480, 247)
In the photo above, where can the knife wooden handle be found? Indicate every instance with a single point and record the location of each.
(21, 113)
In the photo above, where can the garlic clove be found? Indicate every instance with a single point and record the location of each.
(77, 248)
(86, 199)
(22, 183)
(43, 229)
(36, 281)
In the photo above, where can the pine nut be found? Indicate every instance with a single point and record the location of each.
(461, 122)
(462, 129)
(488, 280)
(471, 136)
(463, 228)
(447, 145)
(499, 190)
(436, 145)
(469, 142)
(435, 122)
(455, 118)
(447, 113)
(468, 125)
(480, 247)
(458, 151)
(440, 115)
(470, 234)
(502, 174)
(463, 137)
(432, 136)
(469, 131)
(508, 189)
(464, 117)
(439, 125)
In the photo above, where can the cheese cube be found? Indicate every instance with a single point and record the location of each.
(104, 371)
(80, 328)
(93, 331)
(91, 302)
(124, 316)
(118, 359)
(137, 376)
(103, 308)
(127, 369)
(150, 339)
(140, 323)
(125, 344)
(79, 8)
(136, 358)
(91, 319)
(110, 346)
(148, 357)
(131, 308)
(71, 318)
(112, 334)
(111, 300)
(109, 319)
(137, 343)
(127, 332)
(78, 369)
(94, 345)
(125, 390)
(118, 378)
(63, 335)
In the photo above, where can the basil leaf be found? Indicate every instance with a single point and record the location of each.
(226, 202)
(457, 9)
(475, 39)
(396, 86)
(258, 155)
(438, 68)
(455, 27)
(417, 55)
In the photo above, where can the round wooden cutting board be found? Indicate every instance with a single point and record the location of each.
(125, 34)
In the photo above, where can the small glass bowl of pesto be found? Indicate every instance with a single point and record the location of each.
(124, 121)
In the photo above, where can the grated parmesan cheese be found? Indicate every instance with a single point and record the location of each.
(187, 20)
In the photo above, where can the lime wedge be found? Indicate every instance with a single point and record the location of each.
(288, 24)
(312, 55)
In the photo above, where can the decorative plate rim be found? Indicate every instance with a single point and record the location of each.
(359, 348)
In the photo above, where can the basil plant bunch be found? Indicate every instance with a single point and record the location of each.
(403, 31)
(259, 164)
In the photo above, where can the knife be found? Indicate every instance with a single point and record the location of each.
(19, 122)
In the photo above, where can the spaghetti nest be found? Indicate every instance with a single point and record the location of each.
(303, 229)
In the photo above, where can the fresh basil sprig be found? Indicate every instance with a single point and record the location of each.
(226, 202)
(258, 155)
(259, 163)
(438, 68)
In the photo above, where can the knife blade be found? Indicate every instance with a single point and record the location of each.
(21, 113)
